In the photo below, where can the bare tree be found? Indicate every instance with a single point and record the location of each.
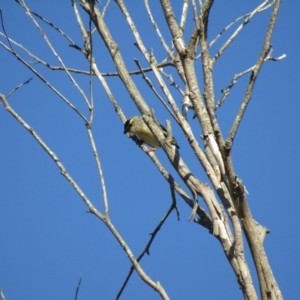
(227, 214)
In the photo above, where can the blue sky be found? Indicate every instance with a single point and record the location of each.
(48, 240)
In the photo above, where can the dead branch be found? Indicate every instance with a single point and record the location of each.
(266, 4)
(153, 235)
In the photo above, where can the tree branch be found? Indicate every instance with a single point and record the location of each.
(268, 286)
(162, 40)
(153, 235)
(92, 209)
(254, 74)
(56, 54)
(266, 4)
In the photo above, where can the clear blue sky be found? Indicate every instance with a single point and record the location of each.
(48, 240)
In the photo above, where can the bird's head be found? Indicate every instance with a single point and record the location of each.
(128, 125)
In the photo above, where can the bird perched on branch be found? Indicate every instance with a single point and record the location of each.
(136, 125)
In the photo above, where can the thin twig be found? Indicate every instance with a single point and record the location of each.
(105, 8)
(174, 202)
(56, 54)
(77, 288)
(45, 81)
(148, 81)
(147, 248)
(39, 60)
(17, 87)
(196, 24)
(109, 93)
(205, 219)
(50, 24)
(5, 34)
(76, 71)
(231, 24)
(2, 297)
(53, 156)
(184, 15)
(80, 24)
(87, 38)
(135, 263)
(235, 78)
(162, 40)
(173, 83)
(195, 13)
(99, 167)
(266, 4)
(145, 70)
(94, 70)
(89, 49)
(13, 52)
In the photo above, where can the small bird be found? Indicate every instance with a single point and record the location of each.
(136, 125)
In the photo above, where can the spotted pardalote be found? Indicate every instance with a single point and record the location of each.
(136, 125)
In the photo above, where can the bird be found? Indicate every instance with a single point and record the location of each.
(136, 125)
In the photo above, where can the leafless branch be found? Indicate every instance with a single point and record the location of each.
(151, 60)
(49, 23)
(201, 5)
(77, 288)
(188, 69)
(196, 17)
(105, 8)
(2, 297)
(232, 23)
(80, 24)
(99, 167)
(196, 148)
(5, 34)
(205, 12)
(153, 235)
(39, 60)
(61, 68)
(264, 56)
(88, 42)
(207, 67)
(266, 4)
(16, 88)
(229, 187)
(89, 49)
(182, 121)
(195, 12)
(205, 220)
(174, 202)
(145, 70)
(156, 286)
(235, 78)
(53, 156)
(268, 286)
(56, 54)
(45, 81)
(162, 40)
(172, 82)
(184, 15)
(92, 209)
(148, 81)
